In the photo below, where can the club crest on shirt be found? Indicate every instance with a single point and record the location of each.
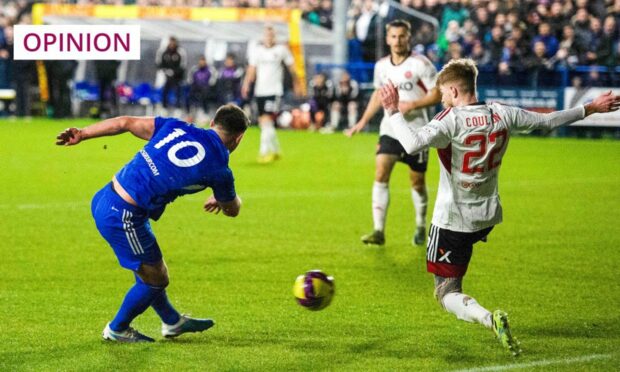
(408, 74)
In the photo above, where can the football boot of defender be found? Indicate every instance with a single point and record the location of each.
(186, 325)
(420, 236)
(375, 238)
(502, 331)
(129, 335)
(266, 159)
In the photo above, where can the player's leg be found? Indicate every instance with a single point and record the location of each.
(334, 115)
(269, 146)
(417, 169)
(267, 135)
(151, 282)
(384, 164)
(157, 276)
(448, 255)
(173, 323)
(351, 114)
(273, 108)
(126, 229)
(420, 202)
(166, 92)
(448, 291)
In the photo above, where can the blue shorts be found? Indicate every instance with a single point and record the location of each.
(126, 228)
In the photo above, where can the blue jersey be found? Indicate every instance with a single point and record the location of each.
(179, 159)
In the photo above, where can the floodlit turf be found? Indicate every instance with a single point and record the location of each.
(552, 265)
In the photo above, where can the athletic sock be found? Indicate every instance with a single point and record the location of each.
(137, 300)
(265, 142)
(420, 201)
(163, 307)
(165, 310)
(275, 144)
(380, 202)
(467, 308)
(351, 118)
(334, 118)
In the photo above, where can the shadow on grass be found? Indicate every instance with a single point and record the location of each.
(576, 329)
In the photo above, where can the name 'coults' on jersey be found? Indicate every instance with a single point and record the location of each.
(179, 159)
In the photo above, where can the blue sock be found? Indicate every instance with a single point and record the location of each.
(137, 300)
(164, 309)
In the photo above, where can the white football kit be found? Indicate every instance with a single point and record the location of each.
(269, 63)
(414, 77)
(471, 142)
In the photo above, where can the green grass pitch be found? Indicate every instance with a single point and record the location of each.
(552, 265)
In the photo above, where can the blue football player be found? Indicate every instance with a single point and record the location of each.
(178, 159)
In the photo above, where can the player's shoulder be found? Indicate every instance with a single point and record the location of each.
(167, 125)
(500, 108)
(385, 61)
(444, 114)
(169, 121)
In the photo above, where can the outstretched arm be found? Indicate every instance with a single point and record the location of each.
(432, 98)
(374, 105)
(523, 120)
(141, 127)
(412, 139)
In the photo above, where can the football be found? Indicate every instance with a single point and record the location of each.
(314, 290)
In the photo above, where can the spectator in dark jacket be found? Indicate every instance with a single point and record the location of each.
(59, 73)
(229, 81)
(202, 80)
(106, 73)
(495, 45)
(540, 67)
(366, 31)
(173, 62)
(545, 35)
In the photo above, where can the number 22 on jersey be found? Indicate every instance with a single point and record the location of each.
(493, 143)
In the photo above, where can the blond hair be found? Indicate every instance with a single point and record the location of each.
(462, 71)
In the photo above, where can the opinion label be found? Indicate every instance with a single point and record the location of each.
(77, 42)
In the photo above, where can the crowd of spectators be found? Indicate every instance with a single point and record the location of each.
(318, 12)
(520, 41)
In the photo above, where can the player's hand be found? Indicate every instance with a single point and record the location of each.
(389, 98)
(69, 137)
(606, 102)
(212, 206)
(355, 129)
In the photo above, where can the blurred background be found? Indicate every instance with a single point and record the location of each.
(542, 55)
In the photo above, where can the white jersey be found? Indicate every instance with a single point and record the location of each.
(414, 77)
(471, 142)
(269, 63)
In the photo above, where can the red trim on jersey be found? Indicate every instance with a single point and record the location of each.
(421, 85)
(439, 114)
(446, 270)
(442, 114)
(445, 156)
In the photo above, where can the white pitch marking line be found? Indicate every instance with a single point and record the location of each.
(538, 363)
